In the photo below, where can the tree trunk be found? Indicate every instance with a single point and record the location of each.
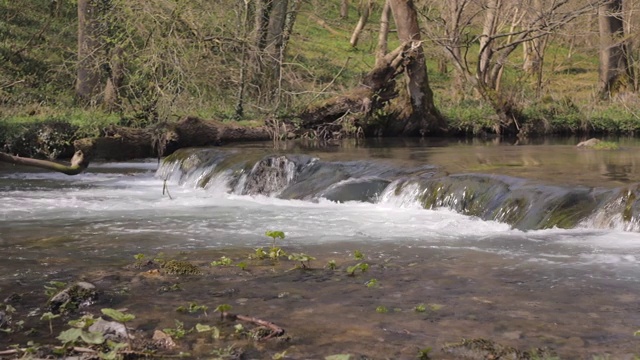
(88, 72)
(262, 15)
(423, 116)
(364, 17)
(344, 9)
(614, 70)
(383, 35)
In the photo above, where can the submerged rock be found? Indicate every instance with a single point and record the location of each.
(482, 349)
(78, 295)
(111, 330)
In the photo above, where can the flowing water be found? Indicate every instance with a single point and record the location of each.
(528, 245)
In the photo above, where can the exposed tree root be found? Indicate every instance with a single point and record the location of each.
(275, 330)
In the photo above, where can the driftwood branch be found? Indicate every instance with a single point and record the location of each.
(78, 163)
(276, 331)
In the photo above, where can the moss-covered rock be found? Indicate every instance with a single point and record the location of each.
(177, 267)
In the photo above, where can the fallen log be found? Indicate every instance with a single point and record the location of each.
(275, 330)
(78, 163)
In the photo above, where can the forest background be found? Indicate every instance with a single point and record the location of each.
(71, 68)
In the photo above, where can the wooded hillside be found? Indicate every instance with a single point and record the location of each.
(493, 66)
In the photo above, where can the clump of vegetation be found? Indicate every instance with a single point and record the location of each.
(177, 267)
(606, 145)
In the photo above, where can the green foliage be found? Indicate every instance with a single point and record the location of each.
(358, 255)
(53, 288)
(222, 308)
(193, 308)
(331, 265)
(138, 256)
(242, 265)
(420, 308)
(423, 354)
(178, 332)
(303, 258)
(118, 316)
(372, 283)
(49, 316)
(224, 261)
(382, 309)
(606, 145)
(363, 267)
(274, 235)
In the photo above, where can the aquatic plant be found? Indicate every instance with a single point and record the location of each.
(176, 267)
(224, 261)
(420, 308)
(372, 283)
(363, 267)
(302, 258)
(178, 332)
(222, 308)
(331, 265)
(120, 317)
(274, 234)
(193, 308)
(48, 316)
(382, 309)
(358, 255)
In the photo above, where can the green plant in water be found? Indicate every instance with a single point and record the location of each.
(242, 265)
(178, 332)
(420, 308)
(423, 354)
(382, 309)
(273, 234)
(193, 308)
(302, 258)
(363, 267)
(222, 308)
(606, 145)
(215, 332)
(79, 332)
(138, 257)
(224, 261)
(331, 265)
(358, 255)
(53, 288)
(120, 317)
(372, 283)
(48, 316)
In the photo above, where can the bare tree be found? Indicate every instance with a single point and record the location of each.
(614, 68)
(344, 9)
(503, 31)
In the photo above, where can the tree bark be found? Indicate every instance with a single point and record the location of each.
(88, 73)
(424, 117)
(614, 69)
(344, 9)
(364, 17)
(383, 35)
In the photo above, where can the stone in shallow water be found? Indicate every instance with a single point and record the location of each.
(75, 296)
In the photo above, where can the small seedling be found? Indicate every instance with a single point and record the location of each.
(420, 308)
(222, 308)
(53, 288)
(274, 235)
(423, 354)
(382, 309)
(224, 261)
(138, 257)
(279, 356)
(178, 332)
(358, 255)
(331, 265)
(302, 258)
(193, 308)
(363, 267)
(48, 316)
(242, 265)
(372, 283)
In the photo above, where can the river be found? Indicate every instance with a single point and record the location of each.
(533, 245)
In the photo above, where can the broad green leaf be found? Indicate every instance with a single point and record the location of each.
(70, 335)
(202, 328)
(118, 315)
(338, 357)
(92, 337)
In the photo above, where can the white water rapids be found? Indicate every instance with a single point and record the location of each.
(118, 209)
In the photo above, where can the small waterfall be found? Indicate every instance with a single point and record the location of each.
(518, 202)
